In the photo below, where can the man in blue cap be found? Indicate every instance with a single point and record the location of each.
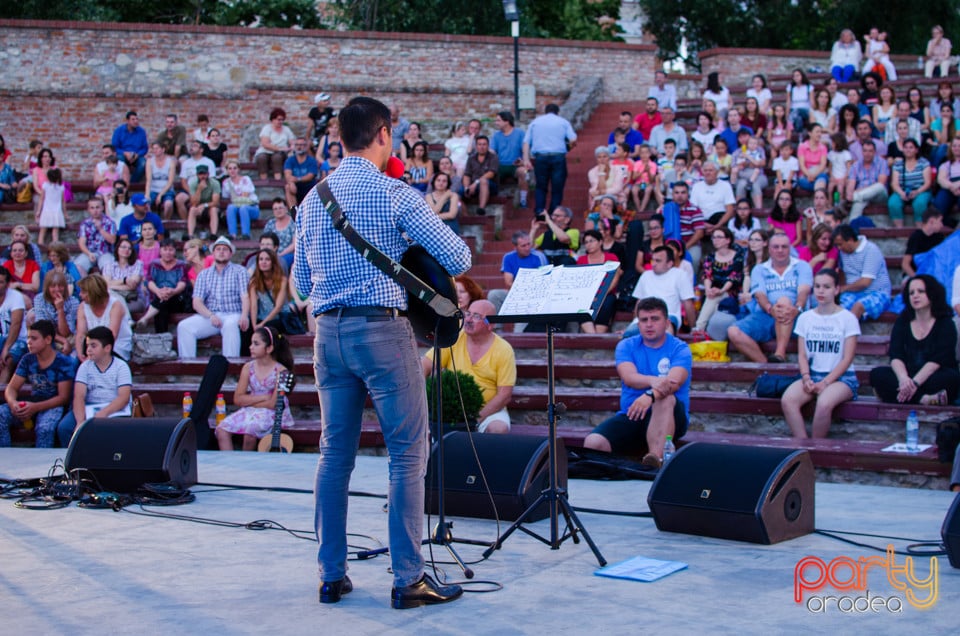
(130, 225)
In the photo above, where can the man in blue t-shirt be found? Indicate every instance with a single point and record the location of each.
(300, 171)
(507, 144)
(131, 224)
(522, 257)
(654, 369)
(50, 375)
(780, 288)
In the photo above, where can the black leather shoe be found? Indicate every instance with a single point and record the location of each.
(330, 592)
(426, 591)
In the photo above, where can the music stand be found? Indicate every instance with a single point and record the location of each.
(553, 495)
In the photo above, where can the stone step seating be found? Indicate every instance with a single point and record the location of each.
(852, 453)
(588, 372)
(586, 406)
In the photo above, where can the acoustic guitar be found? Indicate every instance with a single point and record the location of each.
(430, 327)
(279, 442)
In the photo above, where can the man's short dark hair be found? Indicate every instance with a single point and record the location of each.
(45, 328)
(506, 116)
(131, 113)
(550, 108)
(594, 234)
(360, 122)
(110, 146)
(479, 137)
(273, 238)
(931, 213)
(278, 200)
(846, 232)
(680, 184)
(5, 274)
(651, 303)
(868, 142)
(664, 249)
(671, 141)
(174, 115)
(627, 113)
(101, 334)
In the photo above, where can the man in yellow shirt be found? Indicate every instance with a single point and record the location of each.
(489, 359)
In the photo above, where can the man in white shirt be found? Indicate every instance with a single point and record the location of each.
(670, 284)
(665, 94)
(713, 196)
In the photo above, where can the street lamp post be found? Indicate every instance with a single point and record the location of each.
(512, 14)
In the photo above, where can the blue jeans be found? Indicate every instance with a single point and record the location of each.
(844, 73)
(806, 184)
(65, 429)
(247, 213)
(353, 357)
(944, 201)
(550, 170)
(895, 205)
(45, 425)
(138, 169)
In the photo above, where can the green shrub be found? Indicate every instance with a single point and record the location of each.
(453, 386)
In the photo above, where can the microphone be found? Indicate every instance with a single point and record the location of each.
(395, 168)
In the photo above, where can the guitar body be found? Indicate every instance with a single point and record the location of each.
(285, 445)
(279, 442)
(429, 328)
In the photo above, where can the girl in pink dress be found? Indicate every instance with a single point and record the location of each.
(256, 392)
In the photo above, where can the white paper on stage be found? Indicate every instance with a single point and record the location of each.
(555, 290)
(641, 569)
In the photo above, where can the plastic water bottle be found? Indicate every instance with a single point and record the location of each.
(187, 404)
(221, 408)
(669, 450)
(913, 432)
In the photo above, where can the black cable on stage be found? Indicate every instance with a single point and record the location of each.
(912, 549)
(615, 513)
(299, 491)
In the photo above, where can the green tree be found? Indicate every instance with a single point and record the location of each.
(566, 19)
(465, 17)
(265, 13)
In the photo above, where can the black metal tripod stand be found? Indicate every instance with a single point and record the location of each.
(554, 495)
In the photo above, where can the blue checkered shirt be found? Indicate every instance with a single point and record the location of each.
(222, 292)
(381, 209)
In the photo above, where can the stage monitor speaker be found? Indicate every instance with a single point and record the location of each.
(516, 468)
(950, 531)
(124, 453)
(744, 493)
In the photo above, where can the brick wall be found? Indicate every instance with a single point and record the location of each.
(69, 84)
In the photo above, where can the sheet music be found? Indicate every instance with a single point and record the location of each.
(555, 289)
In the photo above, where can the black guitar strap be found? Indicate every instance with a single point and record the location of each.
(442, 305)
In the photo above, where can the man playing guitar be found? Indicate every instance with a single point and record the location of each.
(364, 345)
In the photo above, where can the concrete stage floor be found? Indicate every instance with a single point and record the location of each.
(80, 571)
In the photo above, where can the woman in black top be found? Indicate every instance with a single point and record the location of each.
(923, 359)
